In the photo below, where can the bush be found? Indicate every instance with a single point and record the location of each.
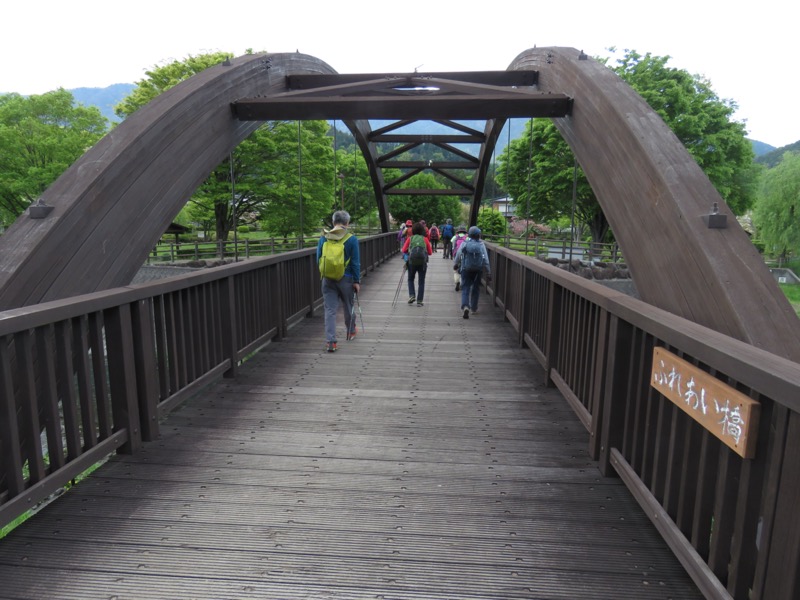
(492, 222)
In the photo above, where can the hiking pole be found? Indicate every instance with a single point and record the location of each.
(399, 285)
(352, 316)
(360, 314)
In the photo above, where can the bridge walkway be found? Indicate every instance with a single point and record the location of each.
(427, 459)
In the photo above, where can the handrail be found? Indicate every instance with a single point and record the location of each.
(731, 521)
(88, 376)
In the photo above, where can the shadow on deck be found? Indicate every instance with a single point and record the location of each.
(426, 459)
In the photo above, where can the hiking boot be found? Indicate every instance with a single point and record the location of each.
(458, 286)
(419, 304)
(474, 311)
(466, 313)
(412, 299)
(353, 333)
(331, 347)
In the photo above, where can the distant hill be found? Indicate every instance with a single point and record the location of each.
(760, 148)
(103, 98)
(774, 156)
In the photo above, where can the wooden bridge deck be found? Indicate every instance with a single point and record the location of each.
(424, 460)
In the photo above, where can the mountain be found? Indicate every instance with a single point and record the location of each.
(774, 156)
(103, 98)
(760, 148)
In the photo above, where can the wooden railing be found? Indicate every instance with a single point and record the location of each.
(561, 249)
(732, 521)
(85, 377)
(236, 248)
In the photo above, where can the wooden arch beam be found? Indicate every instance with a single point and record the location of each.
(112, 205)
(655, 197)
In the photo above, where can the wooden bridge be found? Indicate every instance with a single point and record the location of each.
(426, 459)
(302, 474)
(516, 454)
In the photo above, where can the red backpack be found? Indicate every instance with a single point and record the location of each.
(434, 233)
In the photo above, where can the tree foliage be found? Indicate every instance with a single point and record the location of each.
(700, 119)
(269, 170)
(492, 222)
(429, 208)
(777, 211)
(40, 137)
(161, 78)
(540, 172)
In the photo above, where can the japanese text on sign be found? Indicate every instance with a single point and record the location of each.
(724, 411)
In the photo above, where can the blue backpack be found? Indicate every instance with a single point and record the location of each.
(448, 231)
(472, 256)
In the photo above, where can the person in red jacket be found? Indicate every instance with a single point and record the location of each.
(417, 266)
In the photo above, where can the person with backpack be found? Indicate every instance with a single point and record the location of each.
(434, 235)
(447, 232)
(455, 243)
(472, 260)
(418, 248)
(340, 268)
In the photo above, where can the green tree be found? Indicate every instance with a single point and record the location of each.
(700, 119)
(40, 137)
(777, 211)
(353, 186)
(161, 78)
(541, 178)
(429, 208)
(283, 173)
(267, 170)
(491, 222)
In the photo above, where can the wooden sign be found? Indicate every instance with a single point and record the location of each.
(724, 411)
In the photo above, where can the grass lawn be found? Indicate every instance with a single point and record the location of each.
(793, 294)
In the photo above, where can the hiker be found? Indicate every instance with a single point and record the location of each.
(340, 267)
(401, 234)
(455, 243)
(471, 260)
(447, 232)
(418, 249)
(434, 236)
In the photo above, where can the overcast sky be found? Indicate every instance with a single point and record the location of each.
(748, 55)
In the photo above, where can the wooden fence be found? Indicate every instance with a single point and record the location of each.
(732, 521)
(85, 377)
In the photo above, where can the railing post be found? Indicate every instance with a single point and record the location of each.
(230, 335)
(122, 375)
(553, 333)
(614, 395)
(10, 455)
(146, 368)
(782, 574)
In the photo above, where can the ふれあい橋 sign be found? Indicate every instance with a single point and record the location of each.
(724, 411)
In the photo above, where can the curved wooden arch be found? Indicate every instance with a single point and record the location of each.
(120, 196)
(655, 196)
(113, 204)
